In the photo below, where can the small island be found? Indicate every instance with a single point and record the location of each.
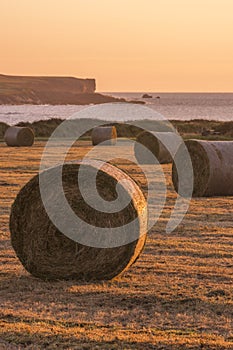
(147, 96)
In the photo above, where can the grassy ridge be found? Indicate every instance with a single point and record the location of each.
(188, 129)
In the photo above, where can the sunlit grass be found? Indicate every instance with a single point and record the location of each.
(178, 295)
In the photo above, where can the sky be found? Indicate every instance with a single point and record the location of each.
(126, 45)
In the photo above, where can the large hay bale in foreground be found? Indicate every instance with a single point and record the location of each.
(19, 136)
(47, 253)
(106, 134)
(151, 140)
(212, 167)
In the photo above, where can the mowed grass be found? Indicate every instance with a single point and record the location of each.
(178, 295)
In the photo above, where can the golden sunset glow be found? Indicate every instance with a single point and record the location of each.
(126, 45)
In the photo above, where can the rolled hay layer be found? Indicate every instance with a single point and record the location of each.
(212, 167)
(19, 136)
(106, 134)
(48, 253)
(152, 141)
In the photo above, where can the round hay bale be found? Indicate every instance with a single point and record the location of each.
(106, 134)
(19, 136)
(212, 167)
(152, 142)
(47, 253)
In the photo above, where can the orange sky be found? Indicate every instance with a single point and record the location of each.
(127, 45)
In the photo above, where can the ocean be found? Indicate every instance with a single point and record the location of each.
(173, 106)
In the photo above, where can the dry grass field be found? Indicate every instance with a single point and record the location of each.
(178, 294)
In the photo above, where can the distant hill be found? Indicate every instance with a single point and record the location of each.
(50, 90)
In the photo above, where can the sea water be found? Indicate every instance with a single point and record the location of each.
(173, 106)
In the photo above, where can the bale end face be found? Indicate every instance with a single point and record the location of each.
(155, 142)
(48, 253)
(150, 142)
(104, 135)
(200, 166)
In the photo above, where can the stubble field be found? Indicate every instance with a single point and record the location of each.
(178, 294)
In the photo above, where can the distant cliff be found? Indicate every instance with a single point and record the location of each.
(49, 90)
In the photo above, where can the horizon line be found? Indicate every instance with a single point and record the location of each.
(167, 92)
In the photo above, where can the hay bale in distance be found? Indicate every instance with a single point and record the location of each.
(49, 254)
(152, 142)
(106, 134)
(212, 167)
(3, 128)
(19, 136)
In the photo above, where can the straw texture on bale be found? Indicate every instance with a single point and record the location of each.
(19, 136)
(151, 141)
(49, 254)
(106, 134)
(212, 167)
